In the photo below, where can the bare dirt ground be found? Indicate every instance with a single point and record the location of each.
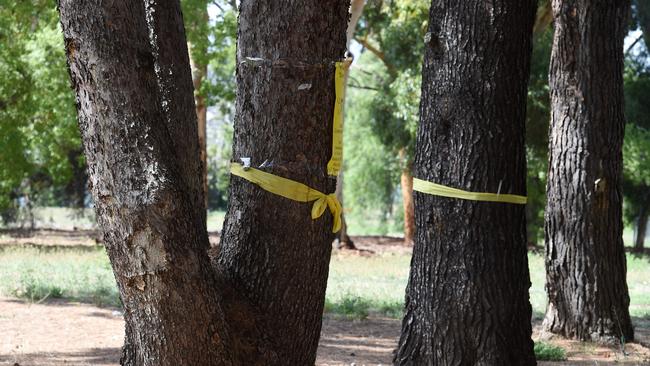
(56, 333)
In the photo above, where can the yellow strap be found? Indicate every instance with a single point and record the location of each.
(334, 165)
(292, 190)
(440, 190)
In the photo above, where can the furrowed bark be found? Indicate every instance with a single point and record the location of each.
(585, 258)
(136, 116)
(270, 247)
(467, 295)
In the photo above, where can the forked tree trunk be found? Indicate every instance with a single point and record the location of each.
(585, 258)
(270, 247)
(467, 295)
(130, 71)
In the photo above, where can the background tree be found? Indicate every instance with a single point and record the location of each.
(469, 280)
(585, 258)
(392, 31)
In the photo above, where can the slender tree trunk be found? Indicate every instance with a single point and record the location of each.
(406, 182)
(270, 247)
(643, 12)
(199, 73)
(467, 295)
(585, 257)
(641, 229)
(136, 115)
(344, 240)
(76, 188)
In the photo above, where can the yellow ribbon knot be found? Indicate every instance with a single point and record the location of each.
(292, 190)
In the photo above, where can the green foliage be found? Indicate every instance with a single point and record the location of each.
(548, 352)
(212, 44)
(636, 146)
(397, 28)
(371, 169)
(37, 113)
(636, 155)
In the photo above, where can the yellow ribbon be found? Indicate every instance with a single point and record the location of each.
(440, 190)
(292, 190)
(334, 165)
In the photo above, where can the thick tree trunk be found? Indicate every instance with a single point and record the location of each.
(467, 296)
(585, 257)
(136, 115)
(641, 229)
(270, 247)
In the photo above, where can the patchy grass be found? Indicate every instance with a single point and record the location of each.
(357, 286)
(548, 352)
(78, 274)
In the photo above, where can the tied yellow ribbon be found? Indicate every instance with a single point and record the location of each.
(444, 191)
(334, 165)
(292, 190)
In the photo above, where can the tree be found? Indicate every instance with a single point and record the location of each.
(392, 31)
(467, 295)
(585, 257)
(258, 304)
(197, 23)
(270, 247)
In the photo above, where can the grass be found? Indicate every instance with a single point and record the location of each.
(548, 352)
(75, 274)
(358, 286)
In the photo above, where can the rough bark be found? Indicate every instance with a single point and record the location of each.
(270, 247)
(131, 76)
(641, 229)
(467, 295)
(585, 257)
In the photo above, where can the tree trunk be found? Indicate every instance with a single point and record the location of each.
(406, 182)
(270, 247)
(344, 240)
(467, 295)
(585, 257)
(202, 122)
(136, 115)
(643, 12)
(76, 188)
(197, 22)
(641, 229)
